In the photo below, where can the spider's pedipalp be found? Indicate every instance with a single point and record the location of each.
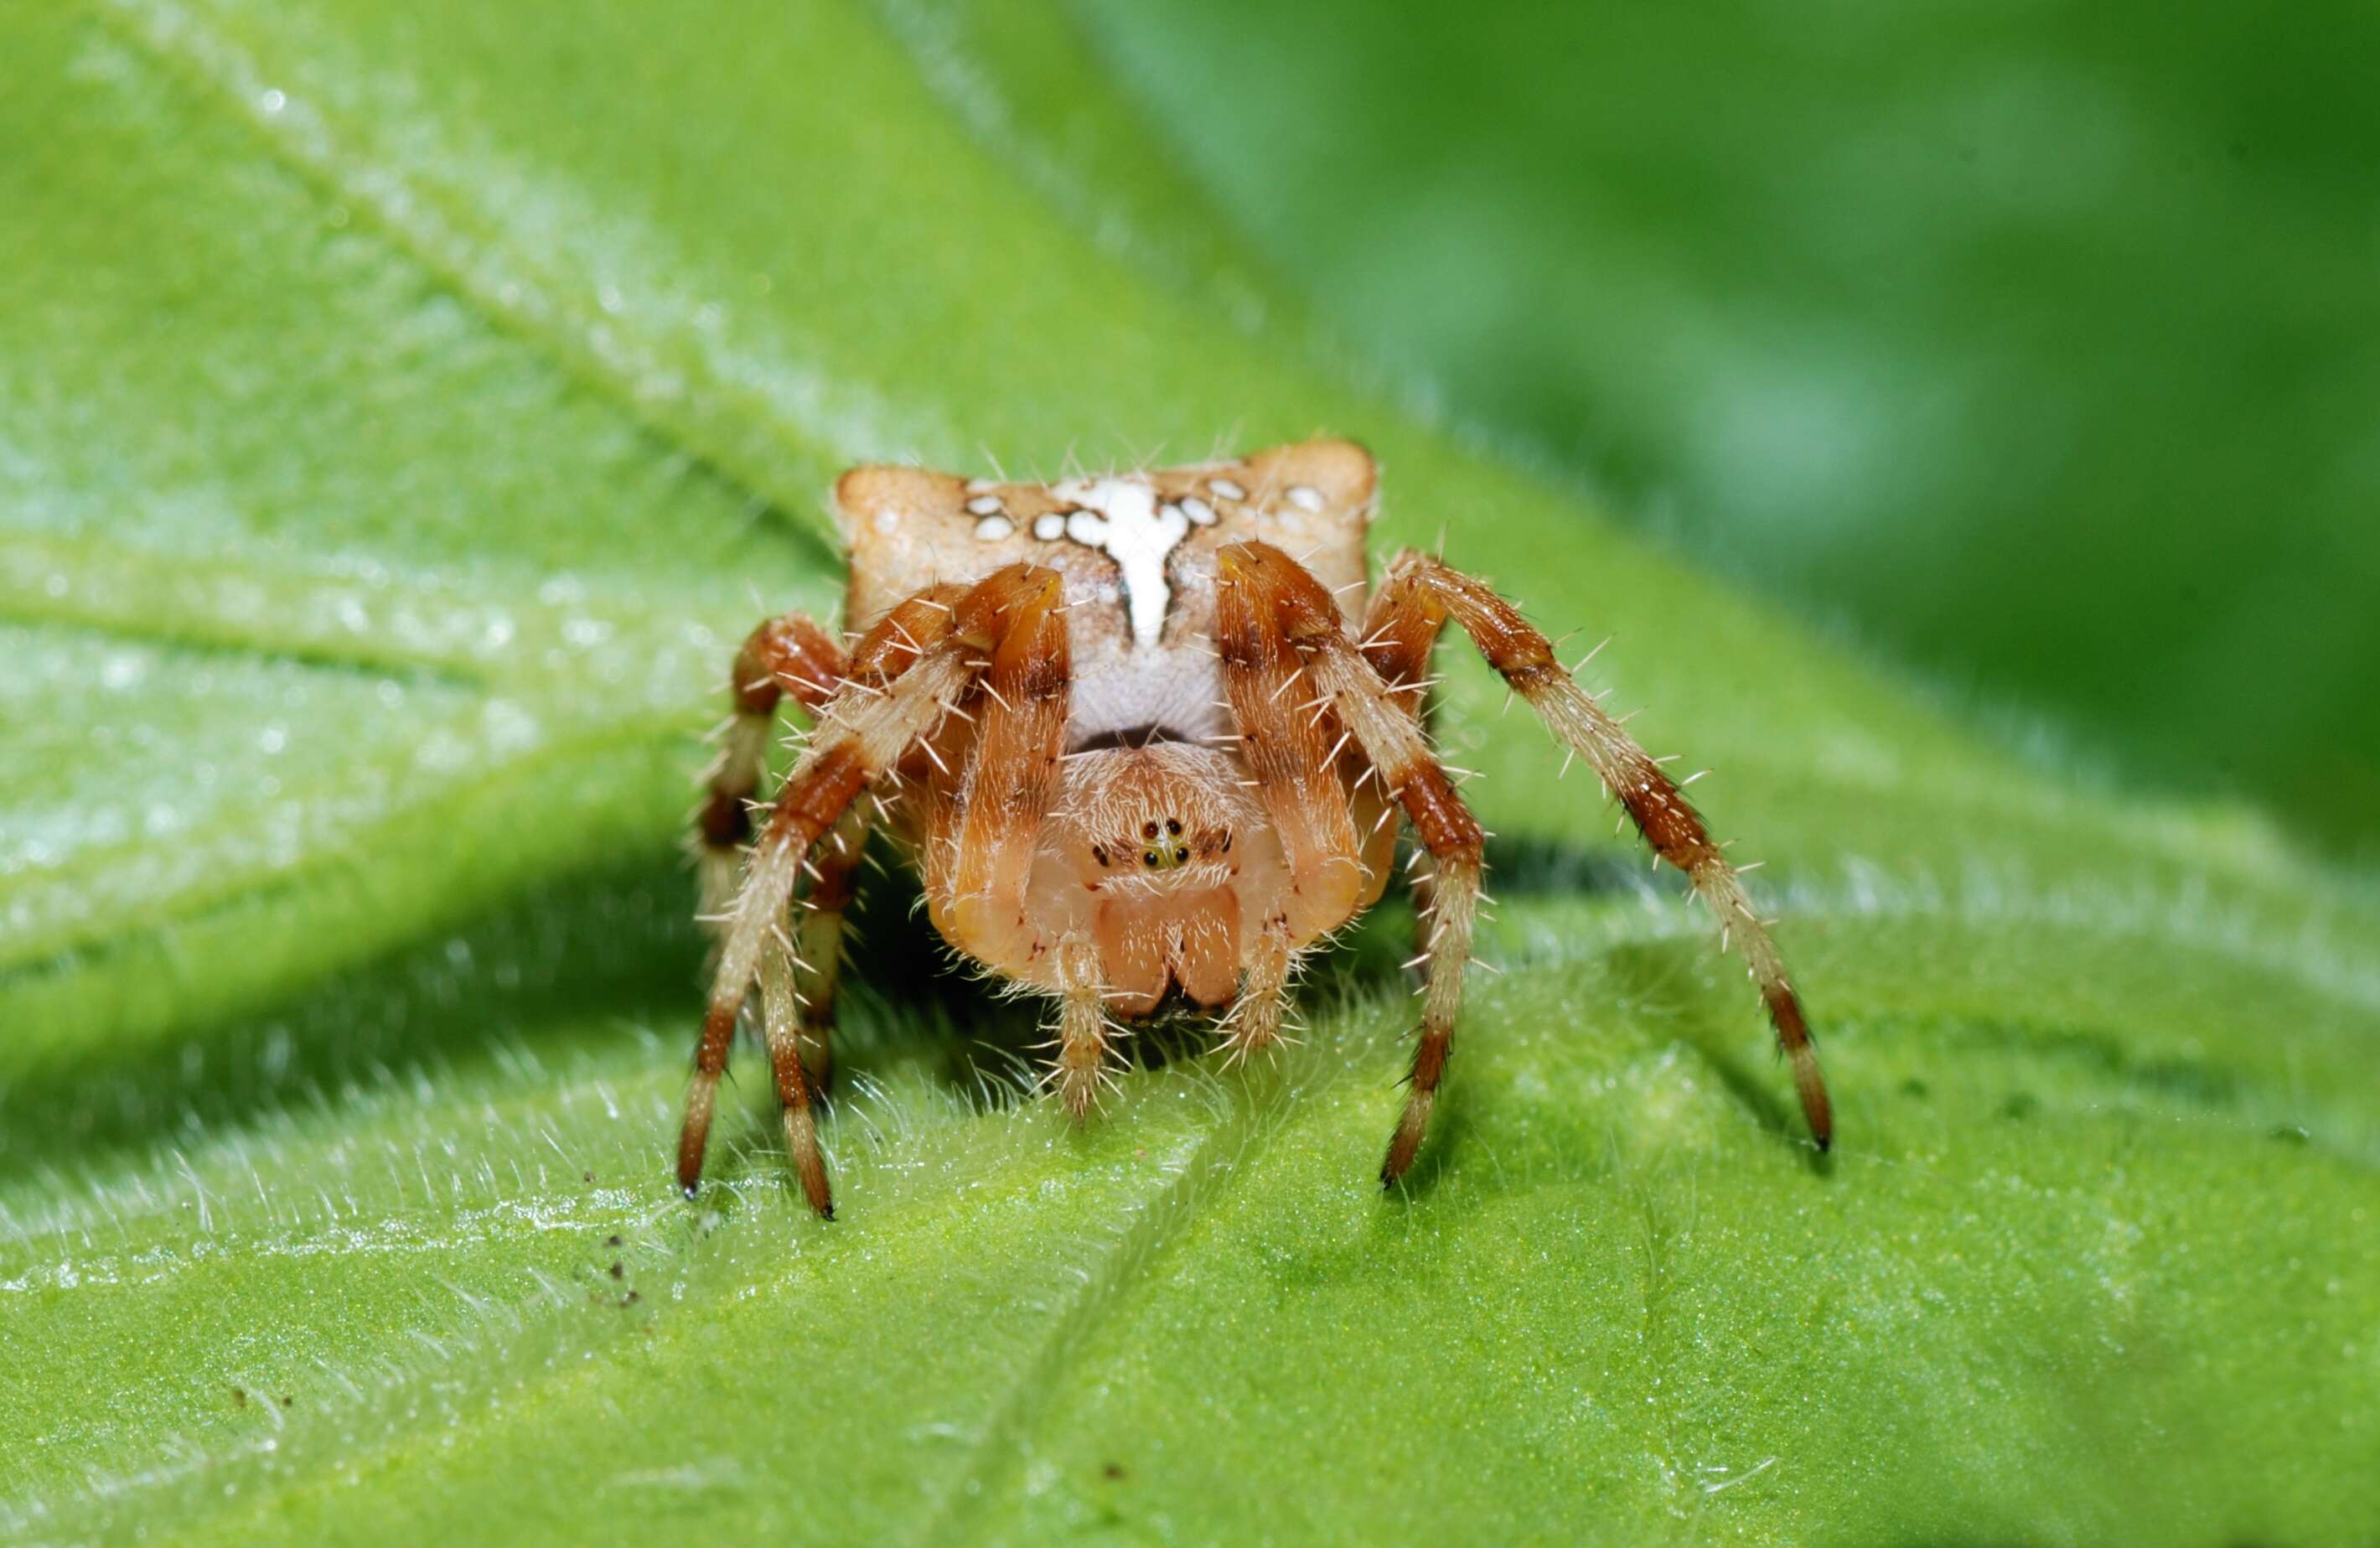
(1255, 1019)
(1078, 1068)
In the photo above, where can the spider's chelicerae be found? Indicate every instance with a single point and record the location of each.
(1141, 734)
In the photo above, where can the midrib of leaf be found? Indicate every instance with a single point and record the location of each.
(1001, 1451)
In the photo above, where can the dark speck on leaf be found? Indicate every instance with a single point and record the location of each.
(2020, 1105)
(617, 1270)
(1112, 1470)
(239, 1398)
(611, 1241)
(631, 1299)
(287, 1401)
(1913, 1087)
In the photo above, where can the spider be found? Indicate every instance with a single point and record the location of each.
(1142, 736)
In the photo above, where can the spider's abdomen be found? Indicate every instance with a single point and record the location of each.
(1138, 553)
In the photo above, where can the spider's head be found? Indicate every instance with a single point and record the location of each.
(1160, 817)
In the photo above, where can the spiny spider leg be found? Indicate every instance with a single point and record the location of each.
(787, 655)
(1011, 780)
(817, 940)
(904, 676)
(1285, 746)
(1402, 624)
(1304, 614)
(1010, 784)
(781, 1013)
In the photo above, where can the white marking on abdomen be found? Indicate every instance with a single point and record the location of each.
(1120, 518)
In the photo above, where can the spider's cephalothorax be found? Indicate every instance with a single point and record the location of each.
(1134, 748)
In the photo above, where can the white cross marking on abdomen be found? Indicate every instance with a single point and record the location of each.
(1122, 519)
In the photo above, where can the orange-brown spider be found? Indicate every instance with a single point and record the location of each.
(1133, 747)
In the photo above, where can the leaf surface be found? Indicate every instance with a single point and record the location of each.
(412, 408)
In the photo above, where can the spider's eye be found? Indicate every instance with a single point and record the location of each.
(1149, 830)
(1151, 859)
(1181, 855)
(1099, 853)
(1174, 826)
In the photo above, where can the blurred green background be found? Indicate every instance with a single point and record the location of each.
(2036, 345)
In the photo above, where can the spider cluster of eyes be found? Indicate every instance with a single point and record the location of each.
(1164, 846)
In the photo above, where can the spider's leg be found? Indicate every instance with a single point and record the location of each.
(817, 941)
(782, 1014)
(1390, 736)
(904, 676)
(1419, 595)
(1286, 746)
(788, 655)
(1400, 642)
(985, 824)
(1009, 785)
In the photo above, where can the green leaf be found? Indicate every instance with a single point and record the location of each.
(400, 413)
(1921, 320)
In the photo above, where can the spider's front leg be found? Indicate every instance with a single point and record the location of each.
(1289, 751)
(1298, 612)
(982, 841)
(905, 674)
(1406, 615)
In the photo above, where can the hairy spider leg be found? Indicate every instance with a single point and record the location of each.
(817, 939)
(1286, 747)
(789, 655)
(780, 1014)
(904, 676)
(1402, 625)
(1390, 737)
(986, 832)
(1010, 784)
